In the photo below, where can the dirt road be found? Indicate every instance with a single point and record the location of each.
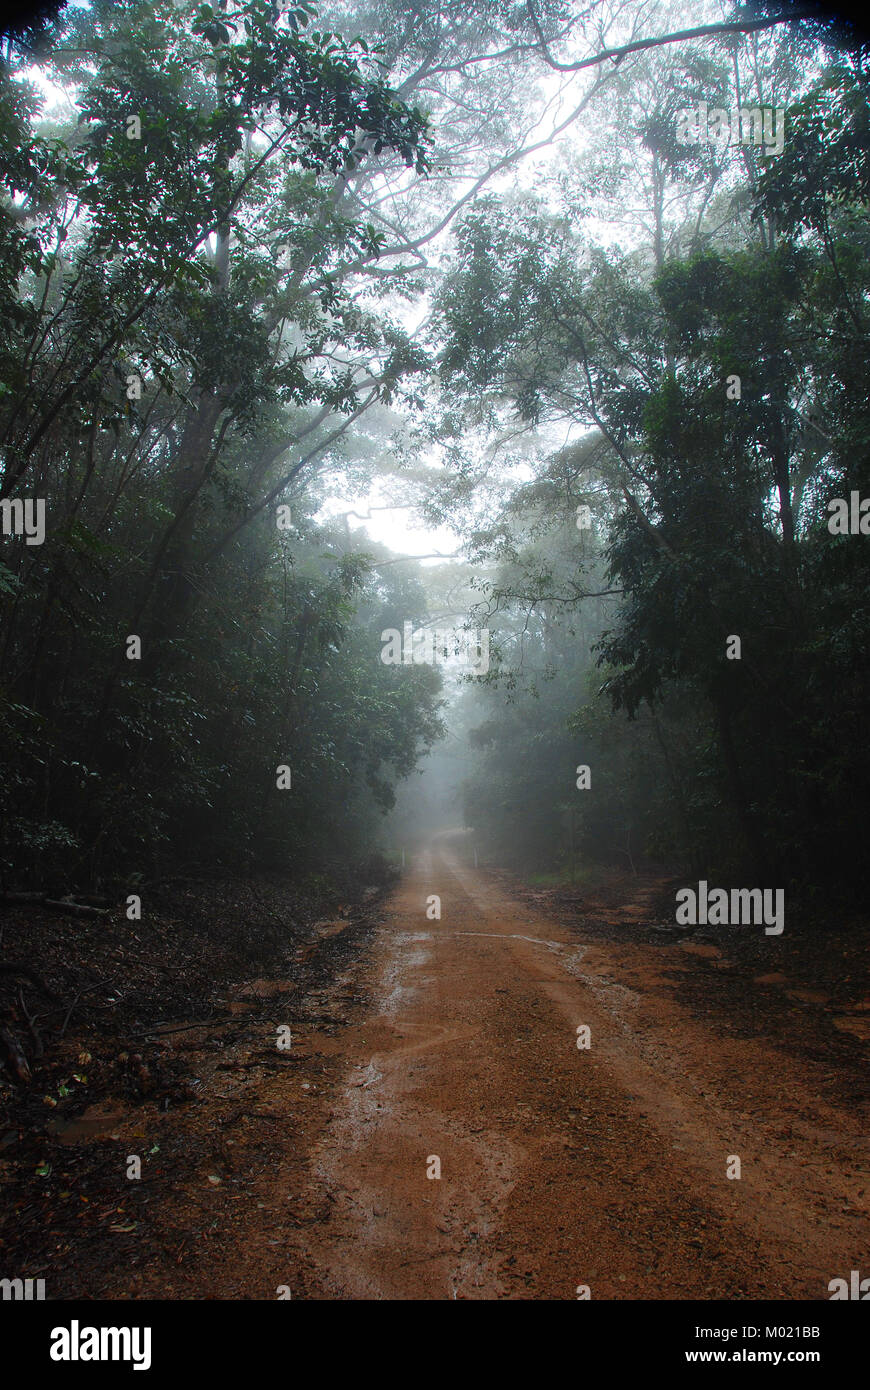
(448, 1045)
(562, 1167)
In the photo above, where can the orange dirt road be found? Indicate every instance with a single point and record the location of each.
(562, 1167)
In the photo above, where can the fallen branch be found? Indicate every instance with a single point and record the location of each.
(89, 989)
(251, 1115)
(24, 972)
(186, 1027)
(73, 909)
(66, 904)
(38, 1049)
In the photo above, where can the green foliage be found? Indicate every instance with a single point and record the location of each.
(161, 366)
(716, 523)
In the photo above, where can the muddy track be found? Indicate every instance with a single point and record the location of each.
(451, 1045)
(563, 1167)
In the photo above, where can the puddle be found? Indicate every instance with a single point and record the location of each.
(97, 1122)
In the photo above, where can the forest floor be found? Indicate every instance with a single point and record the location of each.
(412, 1040)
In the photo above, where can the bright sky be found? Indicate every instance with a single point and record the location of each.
(398, 527)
